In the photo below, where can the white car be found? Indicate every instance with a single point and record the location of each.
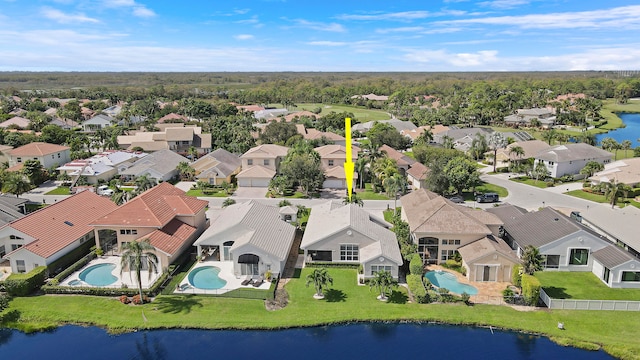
(104, 190)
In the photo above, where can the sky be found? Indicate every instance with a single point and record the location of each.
(328, 35)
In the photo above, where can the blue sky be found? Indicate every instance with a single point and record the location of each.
(273, 35)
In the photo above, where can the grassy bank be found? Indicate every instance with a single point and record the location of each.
(361, 114)
(344, 302)
(582, 285)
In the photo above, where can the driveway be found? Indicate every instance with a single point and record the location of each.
(250, 193)
(185, 185)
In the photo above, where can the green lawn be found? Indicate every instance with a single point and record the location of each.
(60, 190)
(345, 301)
(368, 194)
(486, 187)
(599, 198)
(581, 285)
(361, 114)
(199, 193)
(532, 182)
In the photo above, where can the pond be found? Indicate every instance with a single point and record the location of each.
(353, 341)
(630, 132)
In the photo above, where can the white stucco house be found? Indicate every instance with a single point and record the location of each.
(616, 267)
(569, 159)
(349, 234)
(254, 236)
(49, 155)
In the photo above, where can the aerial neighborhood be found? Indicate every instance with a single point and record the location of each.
(234, 196)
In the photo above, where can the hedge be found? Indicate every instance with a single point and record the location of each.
(416, 286)
(415, 265)
(24, 284)
(70, 258)
(516, 275)
(76, 266)
(321, 264)
(100, 291)
(530, 289)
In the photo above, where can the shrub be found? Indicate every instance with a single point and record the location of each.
(530, 289)
(416, 286)
(77, 265)
(25, 284)
(466, 298)
(445, 295)
(415, 265)
(516, 275)
(125, 299)
(507, 295)
(99, 252)
(4, 301)
(136, 299)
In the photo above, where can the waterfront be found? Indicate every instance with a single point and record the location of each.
(631, 131)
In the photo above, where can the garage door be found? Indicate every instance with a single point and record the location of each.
(333, 184)
(249, 182)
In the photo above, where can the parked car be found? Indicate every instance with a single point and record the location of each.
(457, 199)
(487, 197)
(104, 190)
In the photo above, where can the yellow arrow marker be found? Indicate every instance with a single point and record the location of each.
(348, 164)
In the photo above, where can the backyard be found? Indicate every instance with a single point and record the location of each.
(345, 301)
(581, 285)
(361, 114)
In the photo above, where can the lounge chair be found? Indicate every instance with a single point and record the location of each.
(258, 282)
(247, 281)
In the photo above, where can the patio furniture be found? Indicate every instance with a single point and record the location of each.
(247, 281)
(258, 282)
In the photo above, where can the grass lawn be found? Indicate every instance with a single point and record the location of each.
(60, 190)
(368, 194)
(581, 285)
(486, 187)
(599, 198)
(199, 193)
(345, 301)
(361, 114)
(532, 182)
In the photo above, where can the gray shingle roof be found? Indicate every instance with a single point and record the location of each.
(221, 161)
(539, 228)
(256, 224)
(572, 152)
(612, 256)
(162, 161)
(485, 246)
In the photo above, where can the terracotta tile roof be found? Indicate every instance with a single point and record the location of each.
(400, 158)
(58, 225)
(300, 114)
(171, 237)
(486, 246)
(37, 149)
(16, 167)
(155, 207)
(418, 171)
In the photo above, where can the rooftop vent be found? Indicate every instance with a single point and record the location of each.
(68, 223)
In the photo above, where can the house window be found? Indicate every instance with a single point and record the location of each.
(330, 162)
(128, 232)
(551, 261)
(226, 250)
(21, 266)
(13, 237)
(266, 162)
(15, 246)
(349, 252)
(52, 156)
(19, 159)
(447, 254)
(606, 274)
(456, 242)
(58, 155)
(631, 276)
(249, 162)
(321, 255)
(376, 268)
(579, 257)
(185, 143)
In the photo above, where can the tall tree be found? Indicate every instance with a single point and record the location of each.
(15, 183)
(361, 169)
(278, 132)
(354, 199)
(625, 145)
(303, 169)
(143, 183)
(320, 279)
(137, 255)
(383, 281)
(186, 171)
(462, 173)
(496, 142)
(34, 171)
(591, 168)
(540, 171)
(549, 135)
(531, 260)
(614, 190)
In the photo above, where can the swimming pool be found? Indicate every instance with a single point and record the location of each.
(98, 275)
(443, 279)
(206, 278)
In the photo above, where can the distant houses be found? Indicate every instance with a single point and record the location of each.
(569, 159)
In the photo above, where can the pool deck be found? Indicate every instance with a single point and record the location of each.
(226, 273)
(123, 279)
(489, 292)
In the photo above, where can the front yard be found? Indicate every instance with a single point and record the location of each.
(60, 190)
(599, 198)
(581, 285)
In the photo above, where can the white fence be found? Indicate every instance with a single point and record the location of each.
(568, 304)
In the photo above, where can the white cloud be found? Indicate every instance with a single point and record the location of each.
(327, 43)
(118, 3)
(459, 60)
(616, 18)
(142, 11)
(401, 29)
(63, 18)
(331, 27)
(243, 37)
(504, 4)
(401, 15)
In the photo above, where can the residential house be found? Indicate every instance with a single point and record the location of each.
(270, 114)
(625, 171)
(260, 164)
(461, 138)
(313, 134)
(333, 158)
(565, 244)
(49, 155)
(164, 215)
(11, 208)
(616, 267)
(531, 148)
(399, 125)
(177, 137)
(251, 235)
(417, 175)
(414, 134)
(617, 224)
(217, 167)
(97, 122)
(46, 235)
(172, 118)
(103, 166)
(300, 114)
(569, 159)
(4, 153)
(349, 234)
(160, 165)
(16, 122)
(403, 161)
(112, 111)
(441, 228)
(524, 117)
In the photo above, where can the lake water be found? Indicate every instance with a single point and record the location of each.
(630, 132)
(354, 341)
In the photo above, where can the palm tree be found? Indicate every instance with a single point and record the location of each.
(355, 199)
(319, 278)
(613, 190)
(447, 142)
(531, 260)
(382, 281)
(135, 255)
(496, 141)
(225, 187)
(393, 184)
(193, 153)
(518, 151)
(186, 171)
(228, 202)
(15, 183)
(625, 145)
(549, 135)
(361, 167)
(144, 183)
